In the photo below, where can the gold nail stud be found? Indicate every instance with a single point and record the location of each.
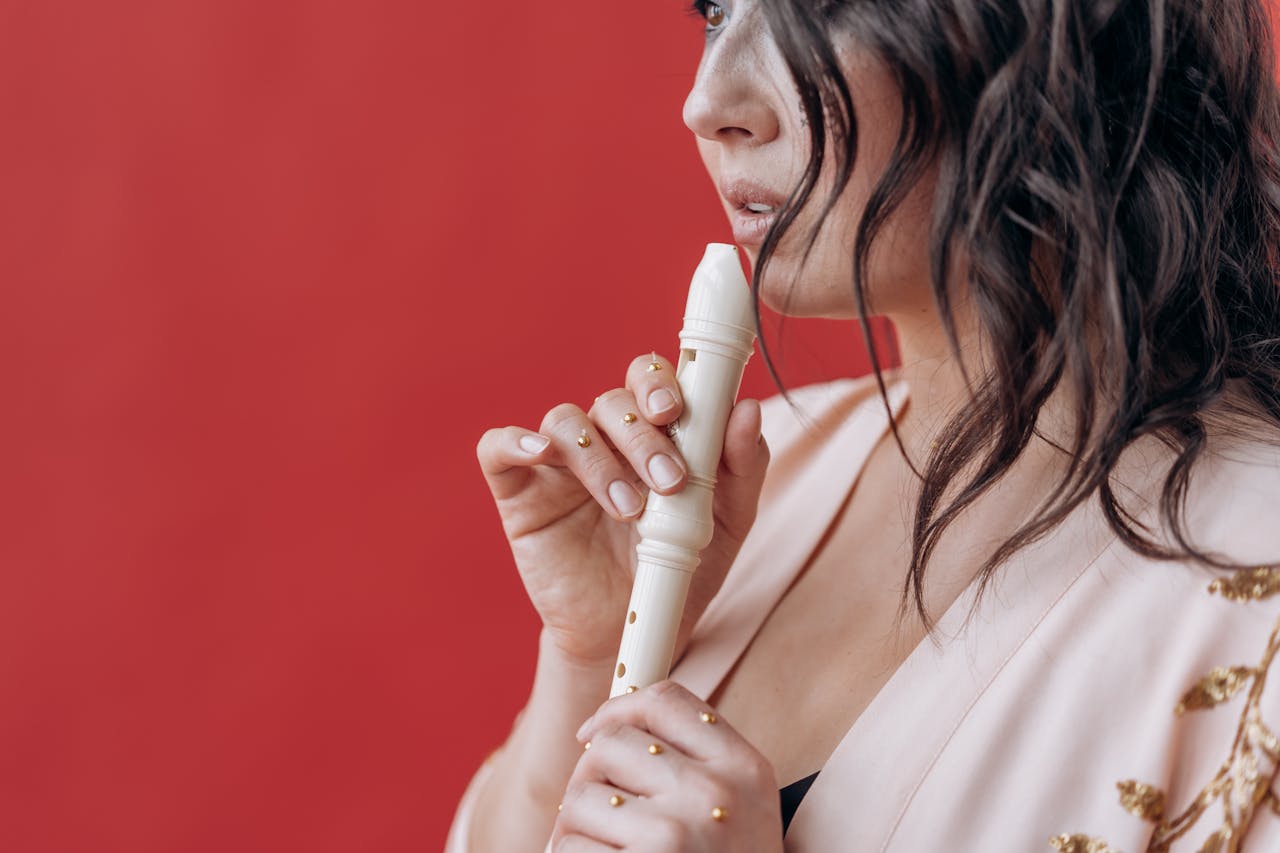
(629, 418)
(655, 749)
(616, 801)
(718, 813)
(586, 746)
(584, 440)
(655, 365)
(631, 688)
(708, 717)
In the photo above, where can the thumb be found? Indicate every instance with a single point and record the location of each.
(742, 468)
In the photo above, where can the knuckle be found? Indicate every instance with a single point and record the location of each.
(489, 441)
(560, 415)
(640, 364)
(639, 371)
(635, 442)
(673, 696)
(507, 436)
(758, 771)
(599, 466)
(664, 687)
(611, 397)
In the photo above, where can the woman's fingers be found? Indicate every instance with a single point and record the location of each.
(580, 447)
(743, 465)
(701, 771)
(745, 453)
(505, 454)
(632, 759)
(645, 446)
(672, 713)
(605, 813)
(620, 450)
(651, 379)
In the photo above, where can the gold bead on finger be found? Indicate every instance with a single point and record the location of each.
(631, 688)
(629, 418)
(616, 801)
(655, 365)
(718, 813)
(655, 749)
(586, 746)
(584, 440)
(708, 717)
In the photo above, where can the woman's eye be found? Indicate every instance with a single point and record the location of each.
(713, 13)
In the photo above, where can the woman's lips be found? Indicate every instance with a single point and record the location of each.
(749, 229)
(741, 193)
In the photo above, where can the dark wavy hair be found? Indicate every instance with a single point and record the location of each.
(1136, 140)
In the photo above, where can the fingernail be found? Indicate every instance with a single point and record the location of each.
(664, 470)
(534, 443)
(624, 497)
(661, 401)
(582, 729)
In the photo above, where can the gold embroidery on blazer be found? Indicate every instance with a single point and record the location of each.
(1243, 783)
(1218, 686)
(1142, 800)
(1251, 585)
(1079, 844)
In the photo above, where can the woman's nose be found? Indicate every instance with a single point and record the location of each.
(730, 99)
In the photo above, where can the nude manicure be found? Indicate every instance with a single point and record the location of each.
(661, 401)
(664, 471)
(624, 497)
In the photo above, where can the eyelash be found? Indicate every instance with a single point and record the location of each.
(698, 9)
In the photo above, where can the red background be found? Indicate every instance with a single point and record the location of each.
(267, 272)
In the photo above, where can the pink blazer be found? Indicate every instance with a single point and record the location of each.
(1097, 701)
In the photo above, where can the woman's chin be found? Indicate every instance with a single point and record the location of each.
(802, 304)
(804, 296)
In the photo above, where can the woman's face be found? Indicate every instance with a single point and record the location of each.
(749, 124)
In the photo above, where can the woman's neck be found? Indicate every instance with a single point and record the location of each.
(936, 380)
(936, 377)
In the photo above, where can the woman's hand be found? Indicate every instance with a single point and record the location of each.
(568, 510)
(665, 773)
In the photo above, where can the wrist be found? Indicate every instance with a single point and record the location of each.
(543, 748)
(578, 685)
(550, 650)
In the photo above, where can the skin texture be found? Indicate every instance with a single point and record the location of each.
(573, 540)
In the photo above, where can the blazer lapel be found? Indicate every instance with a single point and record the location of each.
(866, 786)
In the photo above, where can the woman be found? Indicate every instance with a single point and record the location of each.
(1012, 595)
